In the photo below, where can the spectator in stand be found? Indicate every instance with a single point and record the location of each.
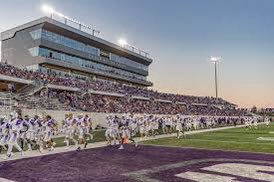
(99, 103)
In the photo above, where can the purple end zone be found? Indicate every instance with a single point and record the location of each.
(110, 164)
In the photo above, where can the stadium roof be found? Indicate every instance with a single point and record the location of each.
(69, 29)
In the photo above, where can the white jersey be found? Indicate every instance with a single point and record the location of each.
(179, 125)
(267, 121)
(255, 121)
(168, 122)
(108, 132)
(132, 124)
(81, 127)
(48, 130)
(4, 133)
(155, 124)
(69, 127)
(31, 128)
(142, 125)
(15, 126)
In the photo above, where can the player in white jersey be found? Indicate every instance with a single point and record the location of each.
(48, 127)
(195, 120)
(162, 123)
(37, 133)
(112, 132)
(88, 127)
(179, 126)
(188, 123)
(168, 122)
(155, 125)
(126, 131)
(255, 122)
(133, 125)
(81, 126)
(108, 130)
(173, 126)
(15, 125)
(142, 126)
(23, 132)
(4, 134)
(115, 129)
(267, 121)
(247, 121)
(70, 129)
(212, 122)
(27, 135)
(148, 125)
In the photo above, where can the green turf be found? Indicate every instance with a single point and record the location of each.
(239, 139)
(98, 136)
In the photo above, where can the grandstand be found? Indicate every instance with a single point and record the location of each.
(34, 89)
(63, 68)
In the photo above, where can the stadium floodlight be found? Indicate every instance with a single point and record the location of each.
(123, 42)
(47, 9)
(215, 60)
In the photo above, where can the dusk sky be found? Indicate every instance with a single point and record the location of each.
(181, 35)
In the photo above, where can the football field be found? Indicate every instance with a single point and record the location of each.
(199, 157)
(236, 139)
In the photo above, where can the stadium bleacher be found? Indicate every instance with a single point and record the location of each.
(53, 91)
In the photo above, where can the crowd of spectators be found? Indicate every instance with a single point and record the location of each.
(100, 103)
(105, 86)
(113, 104)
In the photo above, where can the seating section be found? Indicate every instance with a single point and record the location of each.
(150, 101)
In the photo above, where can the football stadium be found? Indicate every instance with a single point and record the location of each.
(75, 106)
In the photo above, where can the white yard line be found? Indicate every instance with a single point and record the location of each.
(266, 138)
(230, 141)
(5, 180)
(36, 153)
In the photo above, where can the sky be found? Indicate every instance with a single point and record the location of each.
(181, 35)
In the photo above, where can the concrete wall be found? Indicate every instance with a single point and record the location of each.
(16, 50)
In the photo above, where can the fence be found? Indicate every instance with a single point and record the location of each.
(5, 105)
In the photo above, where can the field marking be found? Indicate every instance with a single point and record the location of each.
(230, 141)
(226, 136)
(230, 138)
(266, 138)
(144, 174)
(5, 180)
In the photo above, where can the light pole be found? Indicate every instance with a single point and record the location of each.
(215, 60)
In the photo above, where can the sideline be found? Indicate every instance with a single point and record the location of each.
(36, 153)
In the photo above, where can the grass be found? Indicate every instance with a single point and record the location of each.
(98, 136)
(237, 139)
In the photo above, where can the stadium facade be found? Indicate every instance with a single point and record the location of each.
(49, 45)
